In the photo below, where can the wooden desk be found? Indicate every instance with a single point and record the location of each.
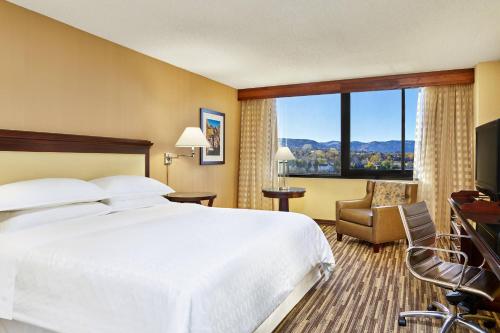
(469, 222)
(284, 195)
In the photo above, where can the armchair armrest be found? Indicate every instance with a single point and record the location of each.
(387, 225)
(365, 202)
(438, 249)
(353, 204)
(350, 204)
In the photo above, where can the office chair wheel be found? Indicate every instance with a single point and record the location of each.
(489, 324)
(402, 321)
(431, 307)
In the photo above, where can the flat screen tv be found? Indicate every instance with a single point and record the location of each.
(488, 159)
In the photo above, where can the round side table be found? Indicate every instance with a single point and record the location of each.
(192, 197)
(284, 195)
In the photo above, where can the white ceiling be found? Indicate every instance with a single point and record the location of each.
(250, 43)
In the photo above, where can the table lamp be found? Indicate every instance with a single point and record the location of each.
(283, 155)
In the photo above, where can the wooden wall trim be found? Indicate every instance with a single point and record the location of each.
(427, 79)
(13, 140)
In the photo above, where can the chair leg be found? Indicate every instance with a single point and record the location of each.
(447, 325)
(440, 307)
(417, 314)
(376, 248)
(448, 318)
(488, 321)
(462, 319)
(339, 237)
(476, 317)
(472, 326)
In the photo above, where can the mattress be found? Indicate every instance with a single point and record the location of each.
(169, 268)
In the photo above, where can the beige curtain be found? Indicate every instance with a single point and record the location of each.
(444, 147)
(258, 144)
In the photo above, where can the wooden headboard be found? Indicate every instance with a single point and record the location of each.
(49, 143)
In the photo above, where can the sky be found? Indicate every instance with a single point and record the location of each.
(213, 122)
(375, 116)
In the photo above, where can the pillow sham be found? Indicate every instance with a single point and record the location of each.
(122, 204)
(131, 186)
(47, 192)
(28, 218)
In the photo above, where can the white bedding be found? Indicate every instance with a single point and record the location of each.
(169, 268)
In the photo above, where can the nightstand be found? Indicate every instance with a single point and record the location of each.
(284, 195)
(192, 197)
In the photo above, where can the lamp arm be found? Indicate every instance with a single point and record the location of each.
(169, 157)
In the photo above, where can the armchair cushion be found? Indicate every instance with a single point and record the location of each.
(361, 216)
(389, 194)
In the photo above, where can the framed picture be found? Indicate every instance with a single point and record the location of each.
(213, 125)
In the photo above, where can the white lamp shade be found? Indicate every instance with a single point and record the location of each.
(192, 137)
(284, 154)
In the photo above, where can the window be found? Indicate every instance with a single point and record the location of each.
(376, 130)
(411, 101)
(310, 127)
(360, 134)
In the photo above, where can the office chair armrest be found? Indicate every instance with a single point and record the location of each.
(438, 249)
(452, 236)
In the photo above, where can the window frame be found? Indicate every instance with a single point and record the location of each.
(345, 147)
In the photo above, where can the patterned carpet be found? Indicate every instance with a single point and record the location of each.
(365, 293)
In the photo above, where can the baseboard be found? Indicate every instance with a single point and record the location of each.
(326, 222)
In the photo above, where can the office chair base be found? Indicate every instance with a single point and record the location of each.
(449, 318)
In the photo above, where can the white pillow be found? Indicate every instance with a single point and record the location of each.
(48, 192)
(22, 219)
(132, 186)
(121, 204)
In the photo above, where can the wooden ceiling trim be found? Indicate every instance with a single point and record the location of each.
(414, 80)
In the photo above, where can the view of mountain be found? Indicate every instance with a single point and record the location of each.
(373, 146)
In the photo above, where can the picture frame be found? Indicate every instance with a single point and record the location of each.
(213, 126)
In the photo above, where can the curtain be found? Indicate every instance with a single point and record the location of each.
(258, 144)
(444, 147)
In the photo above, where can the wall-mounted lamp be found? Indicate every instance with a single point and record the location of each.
(283, 155)
(192, 137)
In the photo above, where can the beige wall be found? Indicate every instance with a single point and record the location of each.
(487, 92)
(56, 78)
(321, 194)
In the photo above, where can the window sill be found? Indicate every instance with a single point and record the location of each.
(358, 176)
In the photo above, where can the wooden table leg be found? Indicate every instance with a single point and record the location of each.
(210, 202)
(284, 204)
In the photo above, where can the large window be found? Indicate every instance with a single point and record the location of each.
(310, 127)
(361, 134)
(376, 130)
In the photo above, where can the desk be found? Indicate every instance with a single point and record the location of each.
(472, 224)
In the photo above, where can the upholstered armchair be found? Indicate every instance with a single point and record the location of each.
(375, 218)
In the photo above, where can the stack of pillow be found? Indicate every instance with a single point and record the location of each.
(132, 192)
(35, 202)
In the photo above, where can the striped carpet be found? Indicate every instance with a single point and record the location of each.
(365, 293)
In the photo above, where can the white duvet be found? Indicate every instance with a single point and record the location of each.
(169, 268)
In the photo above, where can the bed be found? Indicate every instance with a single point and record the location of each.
(166, 268)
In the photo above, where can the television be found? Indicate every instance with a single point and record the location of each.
(488, 159)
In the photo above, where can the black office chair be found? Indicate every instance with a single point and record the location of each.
(468, 284)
